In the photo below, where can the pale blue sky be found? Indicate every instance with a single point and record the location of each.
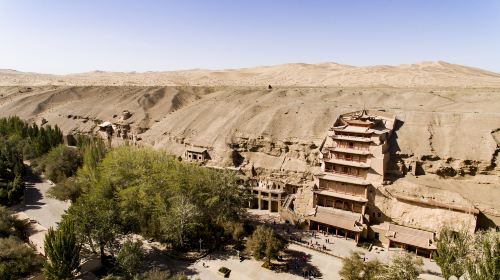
(56, 36)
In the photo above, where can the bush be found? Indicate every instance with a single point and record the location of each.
(130, 257)
(446, 171)
(9, 225)
(354, 268)
(17, 259)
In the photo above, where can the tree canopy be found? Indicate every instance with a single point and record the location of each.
(355, 268)
(451, 253)
(403, 266)
(20, 140)
(264, 243)
(483, 263)
(140, 190)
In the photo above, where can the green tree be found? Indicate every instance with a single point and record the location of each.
(403, 266)
(354, 268)
(20, 140)
(60, 163)
(96, 222)
(130, 257)
(17, 260)
(484, 261)
(89, 153)
(153, 194)
(452, 251)
(172, 201)
(67, 189)
(264, 243)
(11, 170)
(62, 251)
(182, 219)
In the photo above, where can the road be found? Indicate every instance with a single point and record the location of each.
(37, 205)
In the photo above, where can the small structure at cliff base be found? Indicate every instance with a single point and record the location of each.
(196, 154)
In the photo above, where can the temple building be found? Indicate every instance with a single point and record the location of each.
(268, 195)
(353, 160)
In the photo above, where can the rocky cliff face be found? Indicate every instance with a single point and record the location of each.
(451, 132)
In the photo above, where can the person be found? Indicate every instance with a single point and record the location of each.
(203, 264)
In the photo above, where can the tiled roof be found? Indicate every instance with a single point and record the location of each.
(411, 236)
(342, 195)
(196, 150)
(338, 218)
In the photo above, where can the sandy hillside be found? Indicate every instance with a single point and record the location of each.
(449, 114)
(424, 74)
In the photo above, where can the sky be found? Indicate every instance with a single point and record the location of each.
(61, 37)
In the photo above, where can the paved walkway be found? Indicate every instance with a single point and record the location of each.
(326, 266)
(37, 205)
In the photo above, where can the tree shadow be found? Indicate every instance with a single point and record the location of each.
(32, 195)
(159, 259)
(222, 254)
(30, 177)
(298, 263)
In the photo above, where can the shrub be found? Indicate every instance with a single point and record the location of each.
(130, 257)
(17, 259)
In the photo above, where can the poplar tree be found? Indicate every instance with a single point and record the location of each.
(452, 250)
(484, 262)
(62, 251)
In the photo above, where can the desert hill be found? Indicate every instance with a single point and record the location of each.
(449, 115)
(424, 74)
